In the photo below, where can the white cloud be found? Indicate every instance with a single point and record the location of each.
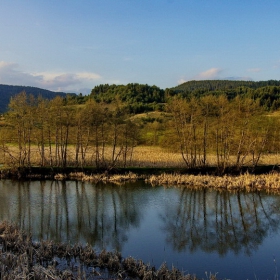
(69, 82)
(212, 73)
(88, 76)
(181, 81)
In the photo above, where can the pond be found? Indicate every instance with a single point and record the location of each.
(198, 231)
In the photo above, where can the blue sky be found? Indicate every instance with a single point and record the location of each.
(74, 45)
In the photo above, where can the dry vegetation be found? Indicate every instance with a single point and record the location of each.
(142, 156)
(21, 258)
(248, 182)
(100, 177)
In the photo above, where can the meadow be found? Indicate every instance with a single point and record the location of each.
(142, 156)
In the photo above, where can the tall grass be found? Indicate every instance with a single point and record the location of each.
(247, 182)
(142, 156)
(21, 258)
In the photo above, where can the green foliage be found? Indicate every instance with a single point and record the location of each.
(267, 92)
(143, 98)
(217, 85)
(73, 99)
(137, 97)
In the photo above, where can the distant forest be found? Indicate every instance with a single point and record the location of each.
(139, 98)
(213, 85)
(8, 91)
(142, 98)
(267, 92)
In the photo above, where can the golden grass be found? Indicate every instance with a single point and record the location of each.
(150, 156)
(247, 182)
(244, 182)
(154, 156)
(153, 114)
(270, 159)
(103, 177)
(143, 156)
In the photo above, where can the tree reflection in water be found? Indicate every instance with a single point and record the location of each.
(220, 221)
(106, 216)
(100, 215)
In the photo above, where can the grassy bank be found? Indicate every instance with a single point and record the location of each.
(141, 172)
(21, 258)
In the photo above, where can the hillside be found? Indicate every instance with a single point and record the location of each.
(217, 85)
(142, 98)
(7, 91)
(267, 92)
(138, 97)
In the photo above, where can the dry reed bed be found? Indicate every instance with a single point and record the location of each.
(103, 177)
(21, 258)
(248, 182)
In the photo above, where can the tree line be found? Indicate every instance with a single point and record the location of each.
(50, 133)
(144, 98)
(211, 129)
(235, 132)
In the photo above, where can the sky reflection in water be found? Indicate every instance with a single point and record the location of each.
(236, 235)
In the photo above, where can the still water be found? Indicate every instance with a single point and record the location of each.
(233, 234)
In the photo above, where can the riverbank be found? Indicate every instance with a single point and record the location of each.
(264, 178)
(22, 258)
(141, 172)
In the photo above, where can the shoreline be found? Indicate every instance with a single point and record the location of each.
(51, 172)
(22, 258)
(265, 178)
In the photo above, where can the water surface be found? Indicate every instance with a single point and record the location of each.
(233, 234)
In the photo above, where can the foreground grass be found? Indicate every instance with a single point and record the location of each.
(21, 258)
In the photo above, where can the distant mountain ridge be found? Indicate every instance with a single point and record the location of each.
(214, 85)
(8, 91)
(267, 92)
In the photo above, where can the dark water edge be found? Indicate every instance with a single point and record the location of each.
(21, 258)
(50, 172)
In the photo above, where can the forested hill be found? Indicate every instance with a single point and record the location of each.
(216, 85)
(267, 92)
(7, 91)
(141, 98)
(138, 97)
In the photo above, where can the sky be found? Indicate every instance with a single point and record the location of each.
(74, 45)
